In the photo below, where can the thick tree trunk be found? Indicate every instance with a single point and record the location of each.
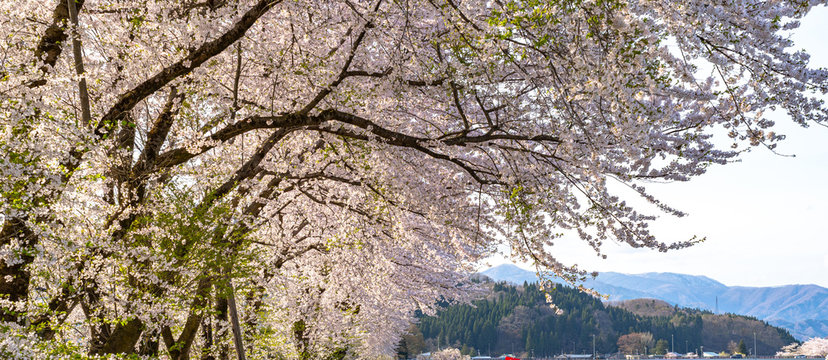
(124, 338)
(14, 277)
(49, 47)
(207, 337)
(149, 344)
(77, 49)
(302, 341)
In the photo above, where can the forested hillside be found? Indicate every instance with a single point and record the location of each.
(518, 319)
(801, 309)
(718, 330)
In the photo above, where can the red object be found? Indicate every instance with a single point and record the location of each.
(511, 358)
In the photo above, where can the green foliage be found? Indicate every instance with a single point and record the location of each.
(661, 347)
(482, 325)
(721, 329)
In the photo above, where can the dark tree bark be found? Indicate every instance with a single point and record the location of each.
(14, 278)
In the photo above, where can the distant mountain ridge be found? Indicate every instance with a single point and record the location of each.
(802, 309)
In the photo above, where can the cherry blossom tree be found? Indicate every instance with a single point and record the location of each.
(635, 343)
(226, 178)
(449, 354)
(813, 347)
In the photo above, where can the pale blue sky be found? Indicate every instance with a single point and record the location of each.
(765, 218)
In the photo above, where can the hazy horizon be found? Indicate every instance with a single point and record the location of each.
(529, 268)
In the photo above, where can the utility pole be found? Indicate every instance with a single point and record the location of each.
(593, 346)
(672, 344)
(685, 347)
(755, 349)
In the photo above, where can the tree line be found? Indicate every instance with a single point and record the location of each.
(518, 319)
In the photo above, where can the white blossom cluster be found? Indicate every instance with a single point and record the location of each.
(332, 168)
(449, 354)
(813, 347)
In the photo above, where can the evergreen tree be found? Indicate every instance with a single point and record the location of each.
(660, 347)
(742, 348)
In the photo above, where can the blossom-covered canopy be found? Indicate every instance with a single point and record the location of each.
(327, 168)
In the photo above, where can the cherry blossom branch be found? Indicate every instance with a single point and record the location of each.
(158, 134)
(184, 66)
(344, 73)
(180, 155)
